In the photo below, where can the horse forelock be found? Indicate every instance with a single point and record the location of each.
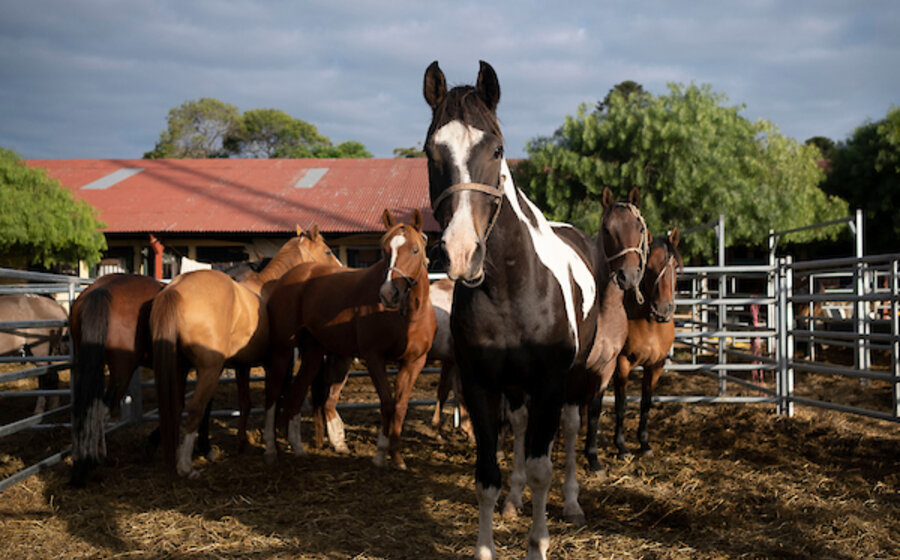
(417, 237)
(463, 104)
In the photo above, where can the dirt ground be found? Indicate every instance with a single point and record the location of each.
(726, 481)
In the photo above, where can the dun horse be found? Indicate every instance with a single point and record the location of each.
(33, 341)
(379, 313)
(207, 320)
(525, 303)
(651, 332)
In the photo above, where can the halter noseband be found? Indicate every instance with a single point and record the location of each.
(496, 192)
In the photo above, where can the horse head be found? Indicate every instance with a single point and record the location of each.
(464, 147)
(658, 285)
(404, 249)
(311, 247)
(624, 237)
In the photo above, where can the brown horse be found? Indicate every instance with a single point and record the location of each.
(33, 341)
(379, 313)
(109, 327)
(651, 333)
(619, 255)
(207, 320)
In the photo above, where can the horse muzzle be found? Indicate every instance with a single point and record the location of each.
(466, 262)
(628, 278)
(662, 313)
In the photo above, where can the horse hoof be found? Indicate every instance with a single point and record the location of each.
(379, 461)
(510, 511)
(600, 474)
(625, 455)
(194, 474)
(576, 519)
(645, 453)
(300, 452)
(342, 449)
(400, 465)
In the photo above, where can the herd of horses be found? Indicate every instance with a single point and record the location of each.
(534, 321)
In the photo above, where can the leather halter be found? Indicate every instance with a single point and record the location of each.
(496, 192)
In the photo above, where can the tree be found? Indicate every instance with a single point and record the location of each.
(197, 129)
(826, 146)
(693, 158)
(40, 222)
(865, 170)
(632, 91)
(411, 152)
(270, 133)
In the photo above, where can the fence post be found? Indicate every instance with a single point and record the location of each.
(720, 320)
(895, 338)
(789, 334)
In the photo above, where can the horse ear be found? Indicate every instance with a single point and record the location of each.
(675, 237)
(299, 230)
(417, 219)
(435, 87)
(608, 198)
(387, 219)
(649, 238)
(314, 232)
(488, 85)
(634, 196)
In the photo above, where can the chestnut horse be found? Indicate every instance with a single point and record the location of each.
(207, 320)
(379, 313)
(651, 333)
(525, 303)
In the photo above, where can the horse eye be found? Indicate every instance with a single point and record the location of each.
(498, 153)
(416, 250)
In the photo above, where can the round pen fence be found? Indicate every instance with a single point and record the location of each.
(763, 333)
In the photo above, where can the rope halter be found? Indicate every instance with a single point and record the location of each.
(642, 249)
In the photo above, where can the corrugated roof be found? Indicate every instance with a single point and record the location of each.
(246, 195)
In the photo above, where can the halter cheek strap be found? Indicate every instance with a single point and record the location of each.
(495, 192)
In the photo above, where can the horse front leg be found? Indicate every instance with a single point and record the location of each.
(517, 414)
(378, 374)
(242, 377)
(310, 365)
(543, 421)
(278, 367)
(571, 422)
(484, 410)
(406, 378)
(622, 371)
(651, 377)
(325, 404)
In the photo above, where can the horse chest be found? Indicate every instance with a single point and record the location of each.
(648, 342)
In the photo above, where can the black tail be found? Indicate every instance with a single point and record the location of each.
(88, 409)
(163, 327)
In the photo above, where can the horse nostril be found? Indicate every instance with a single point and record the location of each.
(621, 280)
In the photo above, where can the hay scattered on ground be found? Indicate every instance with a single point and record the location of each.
(726, 481)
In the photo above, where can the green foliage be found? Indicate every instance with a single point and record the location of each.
(208, 128)
(40, 222)
(865, 170)
(411, 152)
(197, 129)
(693, 157)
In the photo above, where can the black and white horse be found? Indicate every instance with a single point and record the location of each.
(525, 304)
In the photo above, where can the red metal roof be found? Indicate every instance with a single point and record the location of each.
(246, 195)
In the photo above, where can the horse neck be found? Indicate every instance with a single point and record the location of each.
(259, 282)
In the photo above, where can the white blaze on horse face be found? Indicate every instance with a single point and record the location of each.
(556, 255)
(396, 243)
(460, 238)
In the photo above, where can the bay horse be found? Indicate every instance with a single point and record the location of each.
(651, 333)
(33, 341)
(619, 254)
(207, 320)
(380, 313)
(525, 303)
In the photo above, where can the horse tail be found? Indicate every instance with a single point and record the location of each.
(163, 326)
(89, 412)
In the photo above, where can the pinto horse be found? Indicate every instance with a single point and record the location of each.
(619, 253)
(525, 303)
(207, 320)
(442, 349)
(651, 333)
(379, 313)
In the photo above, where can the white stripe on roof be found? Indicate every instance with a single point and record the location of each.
(312, 176)
(113, 178)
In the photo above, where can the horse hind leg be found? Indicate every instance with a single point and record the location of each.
(338, 373)
(651, 377)
(518, 420)
(207, 381)
(571, 422)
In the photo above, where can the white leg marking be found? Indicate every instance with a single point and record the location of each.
(380, 458)
(487, 500)
(185, 465)
(540, 473)
(269, 434)
(335, 428)
(571, 421)
(519, 421)
(294, 435)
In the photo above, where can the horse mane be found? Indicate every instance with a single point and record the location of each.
(464, 103)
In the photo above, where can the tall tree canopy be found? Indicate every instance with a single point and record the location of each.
(865, 170)
(208, 128)
(197, 129)
(693, 157)
(40, 222)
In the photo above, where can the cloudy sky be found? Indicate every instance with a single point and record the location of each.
(96, 78)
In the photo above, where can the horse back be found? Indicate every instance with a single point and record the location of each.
(29, 307)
